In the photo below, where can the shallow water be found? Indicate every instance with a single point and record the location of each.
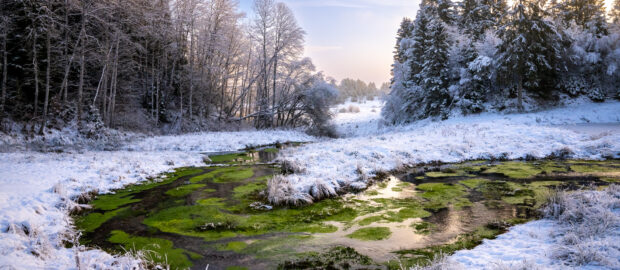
(204, 217)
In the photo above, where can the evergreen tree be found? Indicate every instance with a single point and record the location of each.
(434, 75)
(588, 14)
(419, 43)
(477, 17)
(404, 31)
(528, 56)
(614, 14)
(443, 9)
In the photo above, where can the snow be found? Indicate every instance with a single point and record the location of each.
(370, 149)
(36, 189)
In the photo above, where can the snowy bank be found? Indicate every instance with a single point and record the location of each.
(581, 231)
(36, 190)
(349, 162)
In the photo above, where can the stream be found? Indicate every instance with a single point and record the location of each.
(217, 215)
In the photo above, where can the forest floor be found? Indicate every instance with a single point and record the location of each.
(37, 189)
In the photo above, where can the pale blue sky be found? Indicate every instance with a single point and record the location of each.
(350, 38)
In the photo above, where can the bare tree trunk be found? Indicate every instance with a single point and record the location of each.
(520, 94)
(114, 85)
(191, 68)
(36, 74)
(5, 68)
(81, 85)
(47, 79)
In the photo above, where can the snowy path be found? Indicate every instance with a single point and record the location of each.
(34, 185)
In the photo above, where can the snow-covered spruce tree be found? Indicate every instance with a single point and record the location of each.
(477, 17)
(435, 73)
(614, 13)
(587, 14)
(475, 84)
(404, 32)
(528, 56)
(403, 104)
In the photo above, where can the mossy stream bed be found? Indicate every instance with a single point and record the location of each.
(217, 215)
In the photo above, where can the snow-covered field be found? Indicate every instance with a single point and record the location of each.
(370, 148)
(36, 188)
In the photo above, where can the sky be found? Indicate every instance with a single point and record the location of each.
(350, 38)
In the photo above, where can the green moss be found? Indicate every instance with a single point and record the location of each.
(594, 168)
(126, 196)
(162, 251)
(423, 227)
(235, 246)
(93, 221)
(473, 183)
(113, 201)
(236, 268)
(515, 169)
(270, 150)
(184, 190)
(211, 202)
(397, 189)
(371, 193)
(371, 234)
(225, 174)
(439, 195)
(369, 220)
(441, 174)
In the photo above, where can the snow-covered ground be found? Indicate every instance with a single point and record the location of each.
(35, 187)
(580, 231)
(35, 190)
(370, 148)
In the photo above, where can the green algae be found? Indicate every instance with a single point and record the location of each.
(184, 190)
(371, 234)
(162, 251)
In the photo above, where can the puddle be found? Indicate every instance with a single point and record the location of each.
(216, 215)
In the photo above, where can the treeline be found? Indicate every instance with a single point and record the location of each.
(174, 65)
(359, 90)
(481, 55)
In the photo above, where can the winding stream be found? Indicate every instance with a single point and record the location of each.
(216, 215)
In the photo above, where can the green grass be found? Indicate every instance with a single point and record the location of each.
(371, 234)
(163, 250)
